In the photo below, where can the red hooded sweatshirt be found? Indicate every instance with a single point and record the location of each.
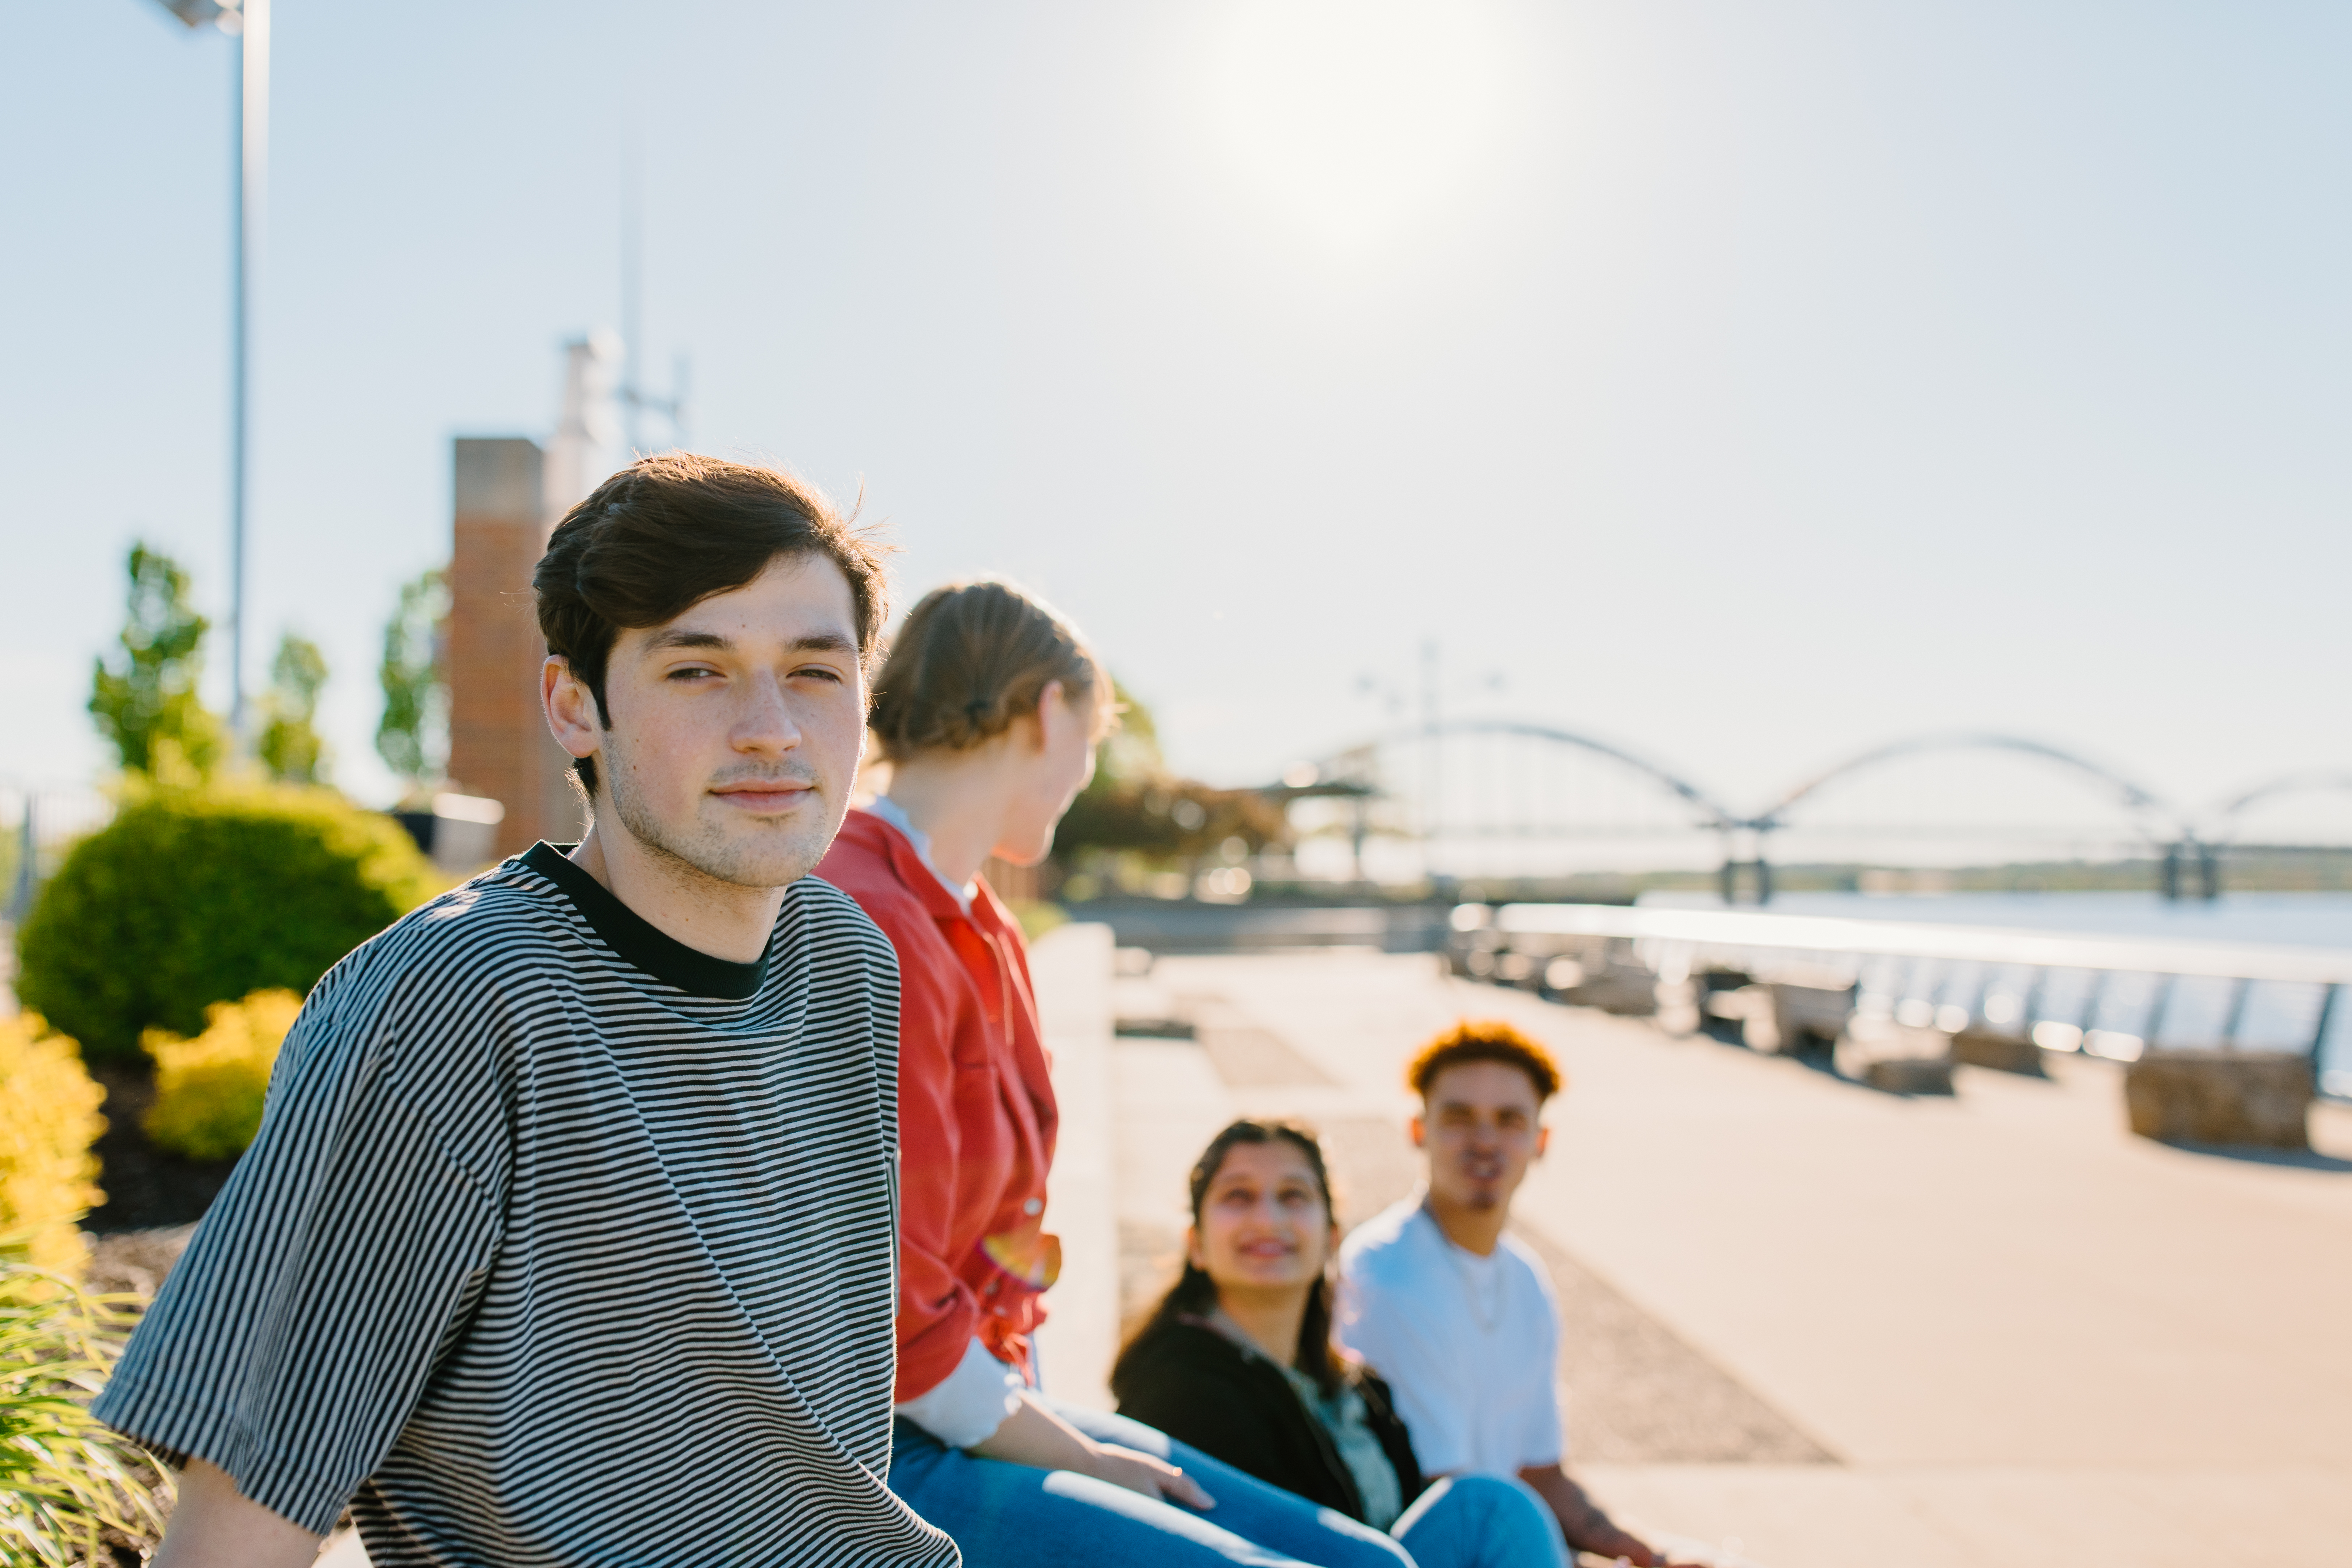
(976, 1116)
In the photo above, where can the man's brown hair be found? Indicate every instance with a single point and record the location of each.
(1484, 1040)
(669, 532)
(971, 658)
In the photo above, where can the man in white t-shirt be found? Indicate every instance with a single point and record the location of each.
(1455, 1315)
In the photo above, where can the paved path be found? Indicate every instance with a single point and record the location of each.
(1830, 1327)
(1994, 1329)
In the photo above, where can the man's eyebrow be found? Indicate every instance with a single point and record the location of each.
(825, 642)
(815, 642)
(678, 636)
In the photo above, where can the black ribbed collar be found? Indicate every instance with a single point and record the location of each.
(638, 941)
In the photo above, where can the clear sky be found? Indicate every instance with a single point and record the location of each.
(1746, 384)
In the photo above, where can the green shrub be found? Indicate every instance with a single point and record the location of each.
(71, 1492)
(1036, 916)
(48, 1120)
(192, 897)
(208, 1090)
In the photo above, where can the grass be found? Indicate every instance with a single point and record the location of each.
(71, 1492)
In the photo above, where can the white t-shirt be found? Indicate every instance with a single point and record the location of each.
(1469, 1345)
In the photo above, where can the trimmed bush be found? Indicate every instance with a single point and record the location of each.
(208, 1090)
(192, 897)
(71, 1492)
(48, 1119)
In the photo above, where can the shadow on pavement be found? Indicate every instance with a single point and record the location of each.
(2299, 1159)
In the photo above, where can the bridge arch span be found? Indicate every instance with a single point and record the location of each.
(2126, 794)
(2225, 819)
(1712, 813)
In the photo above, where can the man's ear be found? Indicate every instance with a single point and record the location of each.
(1543, 1139)
(1192, 1249)
(571, 708)
(1418, 1131)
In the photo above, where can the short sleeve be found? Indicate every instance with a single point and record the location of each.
(1379, 1327)
(1542, 1438)
(330, 1276)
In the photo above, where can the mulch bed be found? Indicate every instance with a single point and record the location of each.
(146, 1187)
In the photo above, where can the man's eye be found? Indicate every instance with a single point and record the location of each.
(696, 673)
(818, 672)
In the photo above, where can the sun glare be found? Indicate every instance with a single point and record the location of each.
(1355, 118)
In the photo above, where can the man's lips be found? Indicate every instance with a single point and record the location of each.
(764, 794)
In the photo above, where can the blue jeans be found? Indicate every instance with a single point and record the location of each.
(1016, 1516)
(1481, 1521)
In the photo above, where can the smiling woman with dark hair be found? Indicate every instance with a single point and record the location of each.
(1237, 1361)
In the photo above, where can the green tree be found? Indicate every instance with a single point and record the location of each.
(1134, 802)
(146, 703)
(412, 739)
(290, 746)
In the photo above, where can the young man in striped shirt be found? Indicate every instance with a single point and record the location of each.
(570, 1233)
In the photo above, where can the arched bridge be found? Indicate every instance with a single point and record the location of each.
(2185, 852)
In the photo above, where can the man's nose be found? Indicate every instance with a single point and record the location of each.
(765, 721)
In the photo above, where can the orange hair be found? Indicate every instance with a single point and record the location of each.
(1484, 1040)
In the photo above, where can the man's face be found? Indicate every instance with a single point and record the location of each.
(1479, 1127)
(735, 730)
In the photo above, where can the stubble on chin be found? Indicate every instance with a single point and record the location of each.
(745, 854)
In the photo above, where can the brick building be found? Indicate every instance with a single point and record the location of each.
(498, 741)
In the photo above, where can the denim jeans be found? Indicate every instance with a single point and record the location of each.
(1481, 1521)
(1015, 1516)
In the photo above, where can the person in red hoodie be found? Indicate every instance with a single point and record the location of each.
(988, 710)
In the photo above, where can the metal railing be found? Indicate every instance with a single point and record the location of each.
(2105, 996)
(37, 823)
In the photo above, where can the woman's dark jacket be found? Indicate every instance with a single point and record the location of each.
(1200, 1387)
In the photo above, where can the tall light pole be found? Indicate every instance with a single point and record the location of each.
(247, 21)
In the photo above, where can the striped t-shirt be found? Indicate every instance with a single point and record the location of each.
(562, 1243)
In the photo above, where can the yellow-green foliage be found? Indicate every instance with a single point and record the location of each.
(208, 1090)
(48, 1119)
(70, 1491)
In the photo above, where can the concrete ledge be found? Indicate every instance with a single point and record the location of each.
(2256, 1098)
(1809, 1016)
(2002, 1053)
(1073, 969)
(1910, 1075)
(1627, 993)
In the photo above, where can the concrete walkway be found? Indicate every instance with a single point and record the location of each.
(1996, 1329)
(1991, 1330)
